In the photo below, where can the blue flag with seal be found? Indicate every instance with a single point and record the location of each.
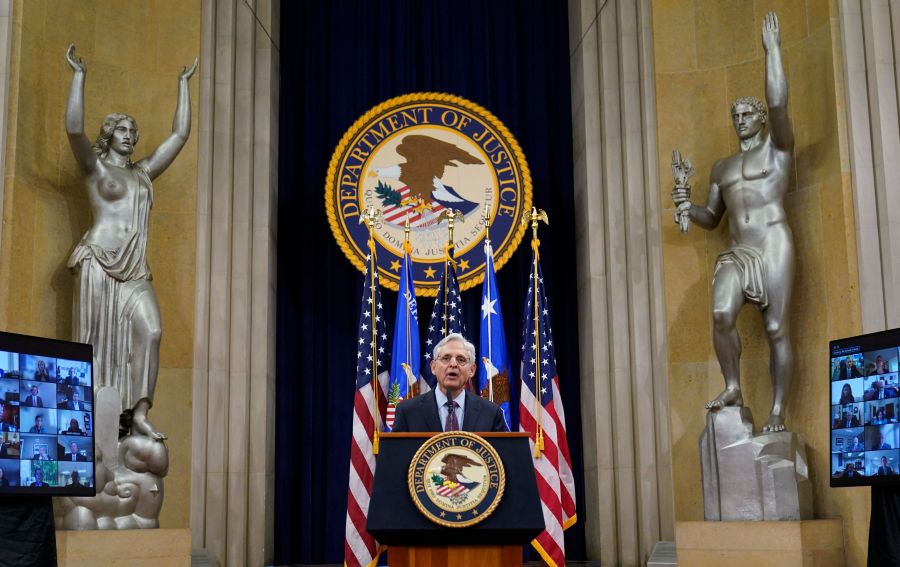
(493, 368)
(405, 351)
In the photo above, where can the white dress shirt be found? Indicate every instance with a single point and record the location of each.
(443, 411)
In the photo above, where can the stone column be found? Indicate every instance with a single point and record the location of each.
(624, 391)
(232, 495)
(5, 48)
(870, 36)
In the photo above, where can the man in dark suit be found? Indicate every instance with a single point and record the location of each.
(881, 444)
(75, 403)
(449, 407)
(885, 469)
(73, 454)
(847, 420)
(33, 400)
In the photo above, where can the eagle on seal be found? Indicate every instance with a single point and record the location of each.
(426, 160)
(453, 466)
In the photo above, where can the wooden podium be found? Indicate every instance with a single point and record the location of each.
(414, 540)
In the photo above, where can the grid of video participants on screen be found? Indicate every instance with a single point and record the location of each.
(865, 406)
(46, 414)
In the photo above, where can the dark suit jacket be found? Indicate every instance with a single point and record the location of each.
(71, 405)
(78, 457)
(421, 414)
(27, 402)
(854, 422)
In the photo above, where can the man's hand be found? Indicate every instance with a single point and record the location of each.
(771, 35)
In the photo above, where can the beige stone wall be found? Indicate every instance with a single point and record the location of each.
(134, 52)
(707, 53)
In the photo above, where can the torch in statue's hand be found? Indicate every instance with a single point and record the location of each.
(682, 170)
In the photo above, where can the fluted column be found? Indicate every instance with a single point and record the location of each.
(870, 36)
(628, 472)
(5, 48)
(232, 501)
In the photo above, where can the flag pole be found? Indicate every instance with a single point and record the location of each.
(487, 244)
(451, 217)
(371, 217)
(534, 216)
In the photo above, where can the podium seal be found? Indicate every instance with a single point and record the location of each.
(413, 157)
(456, 479)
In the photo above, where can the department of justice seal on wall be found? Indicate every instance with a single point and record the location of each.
(456, 479)
(412, 157)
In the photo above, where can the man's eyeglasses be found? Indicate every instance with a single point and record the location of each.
(460, 359)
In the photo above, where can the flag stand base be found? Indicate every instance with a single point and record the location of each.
(435, 556)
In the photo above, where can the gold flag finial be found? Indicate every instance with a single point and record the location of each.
(451, 217)
(372, 217)
(533, 217)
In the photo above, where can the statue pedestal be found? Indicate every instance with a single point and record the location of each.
(124, 548)
(752, 477)
(806, 543)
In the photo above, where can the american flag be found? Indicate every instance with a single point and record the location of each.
(446, 318)
(372, 359)
(541, 415)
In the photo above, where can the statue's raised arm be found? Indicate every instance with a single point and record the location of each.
(165, 154)
(81, 145)
(780, 130)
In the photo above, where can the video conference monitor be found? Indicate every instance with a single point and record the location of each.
(865, 407)
(46, 417)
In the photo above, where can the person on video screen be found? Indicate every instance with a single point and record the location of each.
(4, 482)
(33, 399)
(846, 395)
(855, 446)
(881, 444)
(71, 379)
(76, 480)
(880, 367)
(875, 391)
(73, 454)
(41, 454)
(42, 374)
(39, 478)
(38, 426)
(74, 428)
(847, 419)
(5, 418)
(885, 469)
(75, 403)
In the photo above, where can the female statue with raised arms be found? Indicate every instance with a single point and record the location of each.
(115, 307)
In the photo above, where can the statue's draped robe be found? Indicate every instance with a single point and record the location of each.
(111, 285)
(752, 269)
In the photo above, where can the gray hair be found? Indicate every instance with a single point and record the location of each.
(436, 354)
(755, 103)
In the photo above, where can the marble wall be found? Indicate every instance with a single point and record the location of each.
(707, 53)
(134, 52)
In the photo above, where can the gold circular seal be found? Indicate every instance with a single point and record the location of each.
(456, 479)
(412, 157)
